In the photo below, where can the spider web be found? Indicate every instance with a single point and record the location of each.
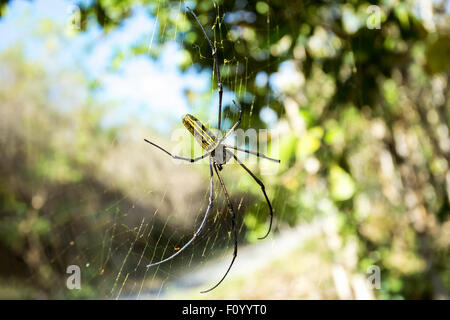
(140, 207)
(136, 206)
(159, 235)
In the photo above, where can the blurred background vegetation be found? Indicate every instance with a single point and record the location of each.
(360, 116)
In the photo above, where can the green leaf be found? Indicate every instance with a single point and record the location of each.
(342, 186)
(309, 143)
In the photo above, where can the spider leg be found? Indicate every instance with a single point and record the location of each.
(177, 157)
(235, 125)
(227, 134)
(252, 152)
(233, 228)
(216, 64)
(263, 188)
(210, 204)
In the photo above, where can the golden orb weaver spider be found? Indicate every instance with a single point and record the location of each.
(219, 155)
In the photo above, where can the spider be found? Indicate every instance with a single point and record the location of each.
(219, 154)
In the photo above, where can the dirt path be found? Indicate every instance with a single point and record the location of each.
(250, 258)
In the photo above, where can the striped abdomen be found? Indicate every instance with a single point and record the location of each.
(200, 132)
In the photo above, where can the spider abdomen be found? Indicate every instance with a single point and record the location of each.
(201, 133)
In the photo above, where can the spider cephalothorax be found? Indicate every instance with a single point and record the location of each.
(219, 154)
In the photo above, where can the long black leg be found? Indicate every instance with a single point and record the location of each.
(177, 157)
(233, 228)
(210, 204)
(227, 134)
(235, 125)
(252, 152)
(216, 63)
(263, 188)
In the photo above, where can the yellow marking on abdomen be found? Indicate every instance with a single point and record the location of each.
(202, 134)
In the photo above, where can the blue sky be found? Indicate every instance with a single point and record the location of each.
(151, 90)
(141, 87)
